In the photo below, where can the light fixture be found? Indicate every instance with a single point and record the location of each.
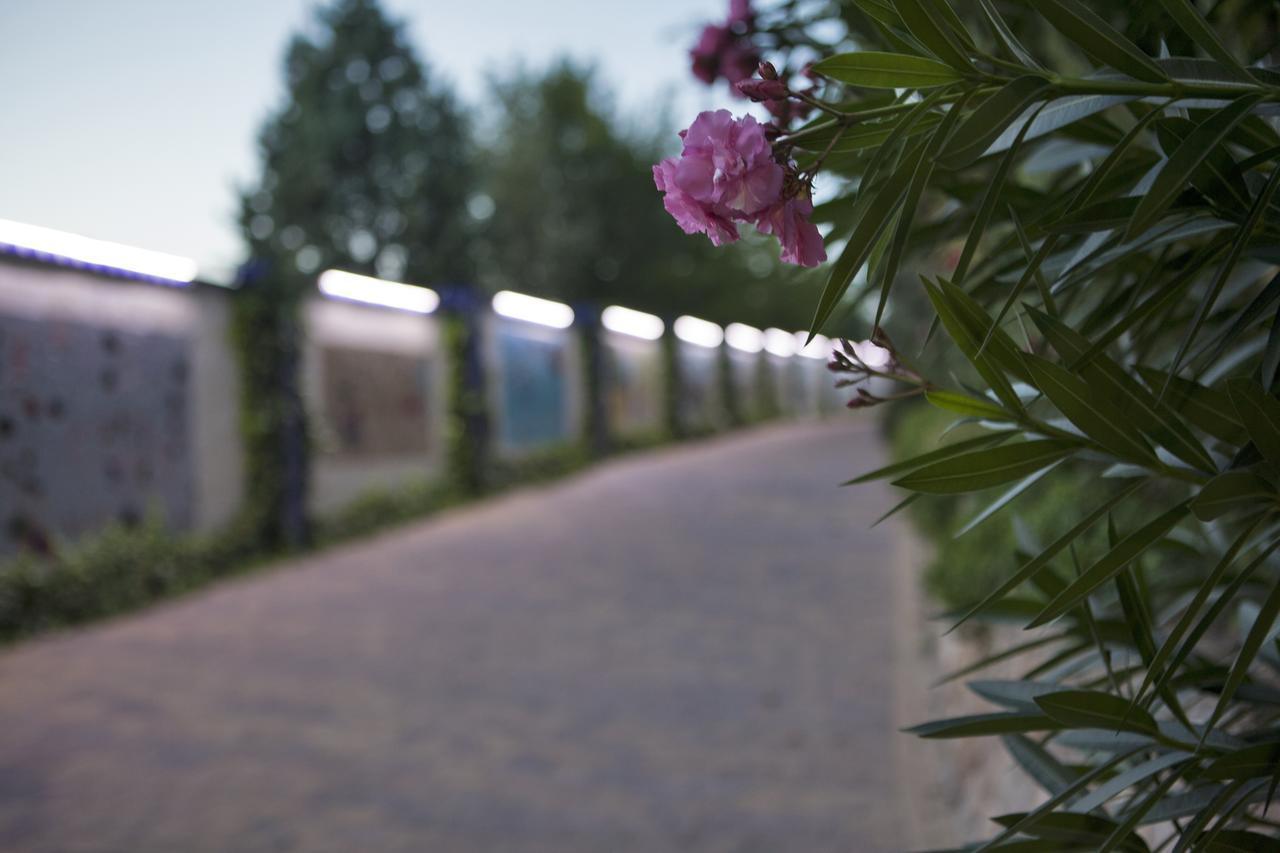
(532, 309)
(48, 244)
(698, 332)
(376, 291)
(819, 347)
(743, 337)
(638, 324)
(779, 343)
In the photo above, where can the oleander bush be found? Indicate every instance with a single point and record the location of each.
(1106, 334)
(961, 537)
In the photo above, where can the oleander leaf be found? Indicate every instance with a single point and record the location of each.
(982, 469)
(1099, 39)
(990, 118)
(875, 70)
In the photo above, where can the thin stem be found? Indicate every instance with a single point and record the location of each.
(1176, 89)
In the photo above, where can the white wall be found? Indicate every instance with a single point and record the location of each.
(336, 481)
(199, 314)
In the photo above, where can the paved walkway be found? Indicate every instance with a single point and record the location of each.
(686, 650)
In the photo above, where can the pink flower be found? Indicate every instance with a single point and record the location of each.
(789, 221)
(728, 163)
(691, 215)
(740, 12)
(727, 173)
(720, 52)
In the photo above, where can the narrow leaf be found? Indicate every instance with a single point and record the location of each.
(1260, 414)
(967, 406)
(977, 725)
(1035, 564)
(1092, 709)
(982, 469)
(875, 70)
(989, 119)
(1110, 563)
(1099, 39)
(945, 452)
(1176, 172)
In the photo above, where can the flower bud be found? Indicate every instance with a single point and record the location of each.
(764, 90)
(766, 71)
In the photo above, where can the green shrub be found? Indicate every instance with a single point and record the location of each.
(963, 567)
(1107, 331)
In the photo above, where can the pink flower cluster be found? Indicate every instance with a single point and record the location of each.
(726, 50)
(727, 173)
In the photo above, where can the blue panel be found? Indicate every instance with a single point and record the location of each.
(533, 393)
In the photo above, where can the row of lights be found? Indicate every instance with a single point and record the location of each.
(63, 247)
(47, 243)
(557, 315)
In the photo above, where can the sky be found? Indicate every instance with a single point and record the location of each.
(135, 120)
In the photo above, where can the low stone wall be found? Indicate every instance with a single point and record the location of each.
(948, 789)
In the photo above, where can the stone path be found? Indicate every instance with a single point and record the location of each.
(686, 650)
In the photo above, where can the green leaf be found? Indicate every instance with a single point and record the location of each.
(1177, 170)
(932, 29)
(1262, 759)
(881, 11)
(1110, 563)
(978, 725)
(1124, 838)
(997, 351)
(1103, 794)
(1014, 824)
(1260, 414)
(1157, 673)
(1215, 610)
(989, 119)
(1099, 39)
(1069, 828)
(967, 406)
(1207, 409)
(1270, 368)
(1035, 564)
(1218, 176)
(1092, 709)
(1006, 37)
(982, 469)
(1258, 632)
(902, 234)
(945, 452)
(968, 339)
(1243, 841)
(1231, 490)
(1004, 499)
(1019, 695)
(1084, 407)
(1243, 235)
(1190, 22)
(875, 70)
(1038, 763)
(1106, 377)
(991, 196)
(865, 234)
(856, 139)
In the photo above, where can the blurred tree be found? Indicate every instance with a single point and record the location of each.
(367, 165)
(568, 196)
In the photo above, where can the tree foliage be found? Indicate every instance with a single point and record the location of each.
(1107, 176)
(367, 165)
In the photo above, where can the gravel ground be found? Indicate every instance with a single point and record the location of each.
(690, 649)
